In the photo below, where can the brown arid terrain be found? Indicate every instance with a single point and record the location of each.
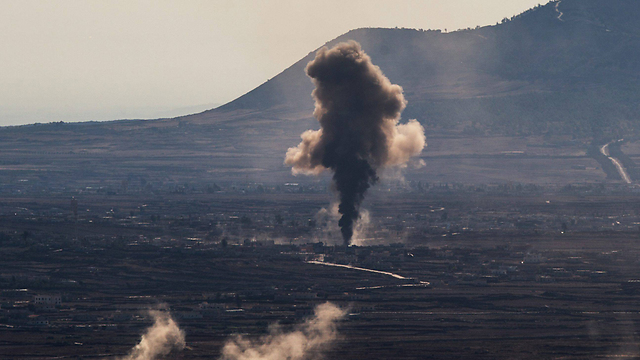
(525, 274)
(244, 149)
(514, 235)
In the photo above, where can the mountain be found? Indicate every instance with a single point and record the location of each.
(519, 101)
(570, 67)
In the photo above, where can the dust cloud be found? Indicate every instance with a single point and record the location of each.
(163, 337)
(306, 341)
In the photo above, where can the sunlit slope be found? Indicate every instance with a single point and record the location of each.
(516, 102)
(570, 67)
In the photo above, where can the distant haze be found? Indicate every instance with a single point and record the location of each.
(77, 60)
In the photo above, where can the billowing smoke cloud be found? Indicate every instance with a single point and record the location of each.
(306, 341)
(358, 109)
(160, 339)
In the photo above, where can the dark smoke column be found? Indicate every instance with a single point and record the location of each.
(358, 109)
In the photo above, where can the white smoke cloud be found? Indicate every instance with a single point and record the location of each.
(305, 341)
(161, 338)
(301, 158)
(327, 223)
(361, 229)
(328, 230)
(407, 141)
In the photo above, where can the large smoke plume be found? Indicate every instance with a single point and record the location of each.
(306, 341)
(358, 109)
(161, 338)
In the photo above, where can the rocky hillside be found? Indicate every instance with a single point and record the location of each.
(568, 67)
(520, 101)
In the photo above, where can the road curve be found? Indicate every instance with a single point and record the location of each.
(560, 13)
(604, 150)
(364, 269)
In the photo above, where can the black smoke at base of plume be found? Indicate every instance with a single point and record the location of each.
(306, 341)
(352, 178)
(358, 110)
(326, 220)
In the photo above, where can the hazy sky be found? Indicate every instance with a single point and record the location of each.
(76, 60)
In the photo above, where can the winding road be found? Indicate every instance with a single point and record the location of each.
(364, 269)
(604, 150)
(560, 13)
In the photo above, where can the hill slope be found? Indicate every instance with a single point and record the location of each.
(572, 74)
(520, 101)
